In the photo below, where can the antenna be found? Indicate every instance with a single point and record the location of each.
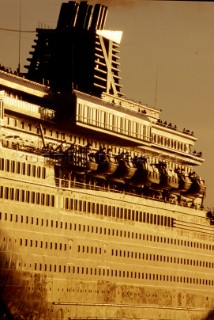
(157, 66)
(156, 85)
(20, 27)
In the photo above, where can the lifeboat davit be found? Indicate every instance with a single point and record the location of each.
(81, 160)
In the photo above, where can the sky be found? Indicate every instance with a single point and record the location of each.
(167, 58)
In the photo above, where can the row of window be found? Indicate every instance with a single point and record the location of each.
(89, 249)
(23, 168)
(62, 136)
(170, 143)
(114, 252)
(108, 120)
(35, 220)
(43, 244)
(120, 274)
(14, 122)
(103, 231)
(117, 212)
(113, 273)
(27, 196)
(53, 134)
(38, 244)
(160, 258)
(98, 118)
(50, 132)
(24, 106)
(96, 250)
(18, 103)
(121, 124)
(85, 206)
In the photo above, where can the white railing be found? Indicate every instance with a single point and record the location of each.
(25, 106)
(29, 108)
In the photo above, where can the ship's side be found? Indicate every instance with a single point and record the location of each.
(73, 249)
(101, 211)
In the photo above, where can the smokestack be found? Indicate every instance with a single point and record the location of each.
(102, 20)
(79, 52)
(96, 16)
(88, 17)
(82, 14)
(118, 3)
(67, 15)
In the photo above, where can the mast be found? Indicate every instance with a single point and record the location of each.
(20, 27)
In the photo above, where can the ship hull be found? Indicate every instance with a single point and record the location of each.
(101, 263)
(26, 295)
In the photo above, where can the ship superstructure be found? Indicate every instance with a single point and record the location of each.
(101, 207)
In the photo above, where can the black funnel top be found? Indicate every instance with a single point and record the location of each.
(75, 54)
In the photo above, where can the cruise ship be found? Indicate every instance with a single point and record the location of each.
(101, 208)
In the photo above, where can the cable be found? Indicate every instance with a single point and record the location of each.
(14, 30)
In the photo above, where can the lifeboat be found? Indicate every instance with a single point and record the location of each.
(169, 178)
(90, 164)
(126, 168)
(107, 164)
(184, 181)
(146, 174)
(198, 187)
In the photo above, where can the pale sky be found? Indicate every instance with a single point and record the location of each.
(167, 59)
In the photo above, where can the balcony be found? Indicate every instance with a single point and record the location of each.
(28, 109)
